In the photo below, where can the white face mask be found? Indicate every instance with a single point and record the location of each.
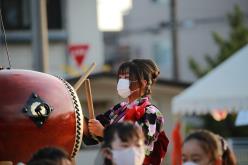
(123, 88)
(129, 156)
(189, 163)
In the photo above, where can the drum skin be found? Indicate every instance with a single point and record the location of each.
(20, 137)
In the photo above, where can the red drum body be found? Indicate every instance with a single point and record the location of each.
(37, 110)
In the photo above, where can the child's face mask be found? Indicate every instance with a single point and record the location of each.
(189, 163)
(123, 88)
(129, 156)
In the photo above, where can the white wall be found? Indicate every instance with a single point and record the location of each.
(210, 9)
(146, 13)
(82, 28)
(21, 57)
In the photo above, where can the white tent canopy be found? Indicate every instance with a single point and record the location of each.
(226, 87)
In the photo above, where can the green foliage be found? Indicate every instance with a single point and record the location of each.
(238, 37)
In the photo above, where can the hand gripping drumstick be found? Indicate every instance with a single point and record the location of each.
(82, 78)
(89, 99)
(89, 103)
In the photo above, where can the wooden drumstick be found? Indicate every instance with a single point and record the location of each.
(83, 77)
(89, 99)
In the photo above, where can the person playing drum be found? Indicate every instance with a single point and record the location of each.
(135, 79)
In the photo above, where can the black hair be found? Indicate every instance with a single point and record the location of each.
(126, 131)
(49, 153)
(42, 162)
(141, 69)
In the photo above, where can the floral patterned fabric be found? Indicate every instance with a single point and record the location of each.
(143, 113)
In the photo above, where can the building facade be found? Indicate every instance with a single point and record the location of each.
(147, 32)
(69, 23)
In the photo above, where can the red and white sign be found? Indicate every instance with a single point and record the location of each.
(78, 53)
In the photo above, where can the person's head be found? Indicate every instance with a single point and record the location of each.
(203, 147)
(141, 73)
(123, 143)
(57, 155)
(43, 162)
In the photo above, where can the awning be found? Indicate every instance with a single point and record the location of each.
(226, 87)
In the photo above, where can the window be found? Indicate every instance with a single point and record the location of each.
(17, 14)
(54, 14)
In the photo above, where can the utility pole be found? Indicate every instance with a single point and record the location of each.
(39, 35)
(173, 17)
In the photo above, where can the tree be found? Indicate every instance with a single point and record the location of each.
(238, 37)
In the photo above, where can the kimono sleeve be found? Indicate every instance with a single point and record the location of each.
(153, 124)
(104, 120)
